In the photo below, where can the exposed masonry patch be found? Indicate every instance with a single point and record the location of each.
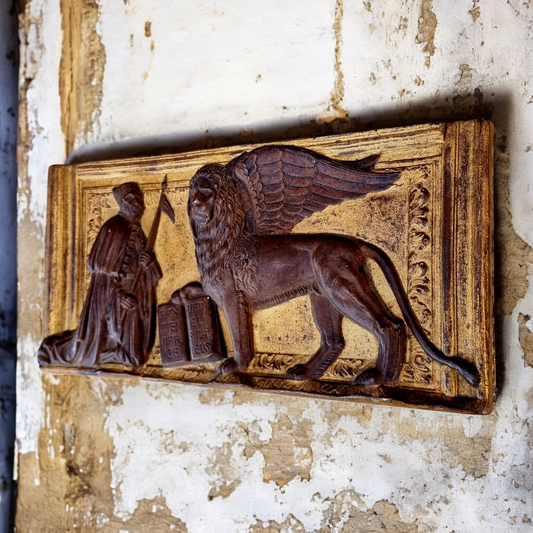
(288, 454)
(72, 466)
(427, 26)
(150, 516)
(526, 337)
(475, 12)
(337, 94)
(83, 61)
(513, 255)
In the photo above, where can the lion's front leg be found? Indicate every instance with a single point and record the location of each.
(239, 318)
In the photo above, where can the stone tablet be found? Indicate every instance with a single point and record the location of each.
(173, 343)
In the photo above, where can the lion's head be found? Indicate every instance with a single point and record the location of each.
(203, 193)
(217, 218)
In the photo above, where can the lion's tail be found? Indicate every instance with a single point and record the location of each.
(466, 369)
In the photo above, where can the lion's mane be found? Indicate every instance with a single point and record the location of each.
(222, 243)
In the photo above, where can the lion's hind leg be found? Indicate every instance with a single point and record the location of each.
(349, 288)
(392, 341)
(328, 321)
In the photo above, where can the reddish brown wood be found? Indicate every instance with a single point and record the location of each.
(118, 320)
(434, 224)
(241, 215)
(189, 328)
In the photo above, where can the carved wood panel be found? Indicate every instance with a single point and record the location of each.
(434, 223)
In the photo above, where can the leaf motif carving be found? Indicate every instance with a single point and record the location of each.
(419, 283)
(345, 368)
(97, 204)
(418, 370)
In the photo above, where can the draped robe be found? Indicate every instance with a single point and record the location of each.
(107, 332)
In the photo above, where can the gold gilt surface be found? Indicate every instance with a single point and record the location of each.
(435, 222)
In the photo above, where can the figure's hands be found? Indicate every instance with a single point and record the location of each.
(191, 290)
(176, 297)
(128, 301)
(145, 259)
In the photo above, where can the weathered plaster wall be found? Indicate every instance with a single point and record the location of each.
(101, 79)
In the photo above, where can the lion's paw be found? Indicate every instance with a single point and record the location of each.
(232, 366)
(229, 366)
(297, 373)
(369, 378)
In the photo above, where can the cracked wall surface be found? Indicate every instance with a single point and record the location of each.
(105, 79)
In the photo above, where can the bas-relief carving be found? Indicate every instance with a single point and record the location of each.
(117, 323)
(250, 258)
(241, 216)
(189, 328)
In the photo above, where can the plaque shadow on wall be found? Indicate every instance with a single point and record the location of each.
(481, 103)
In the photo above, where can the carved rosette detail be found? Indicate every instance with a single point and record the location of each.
(97, 204)
(418, 369)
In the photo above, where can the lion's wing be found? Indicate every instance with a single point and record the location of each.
(281, 185)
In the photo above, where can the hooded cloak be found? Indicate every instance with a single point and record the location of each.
(107, 332)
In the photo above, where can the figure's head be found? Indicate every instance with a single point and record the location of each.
(130, 200)
(203, 192)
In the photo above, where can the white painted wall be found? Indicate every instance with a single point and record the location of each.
(213, 69)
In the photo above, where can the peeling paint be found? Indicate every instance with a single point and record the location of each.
(37, 148)
(513, 255)
(337, 94)
(225, 478)
(148, 28)
(526, 338)
(83, 60)
(271, 526)
(465, 76)
(383, 517)
(427, 26)
(348, 513)
(475, 12)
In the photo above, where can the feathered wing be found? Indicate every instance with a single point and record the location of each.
(281, 185)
